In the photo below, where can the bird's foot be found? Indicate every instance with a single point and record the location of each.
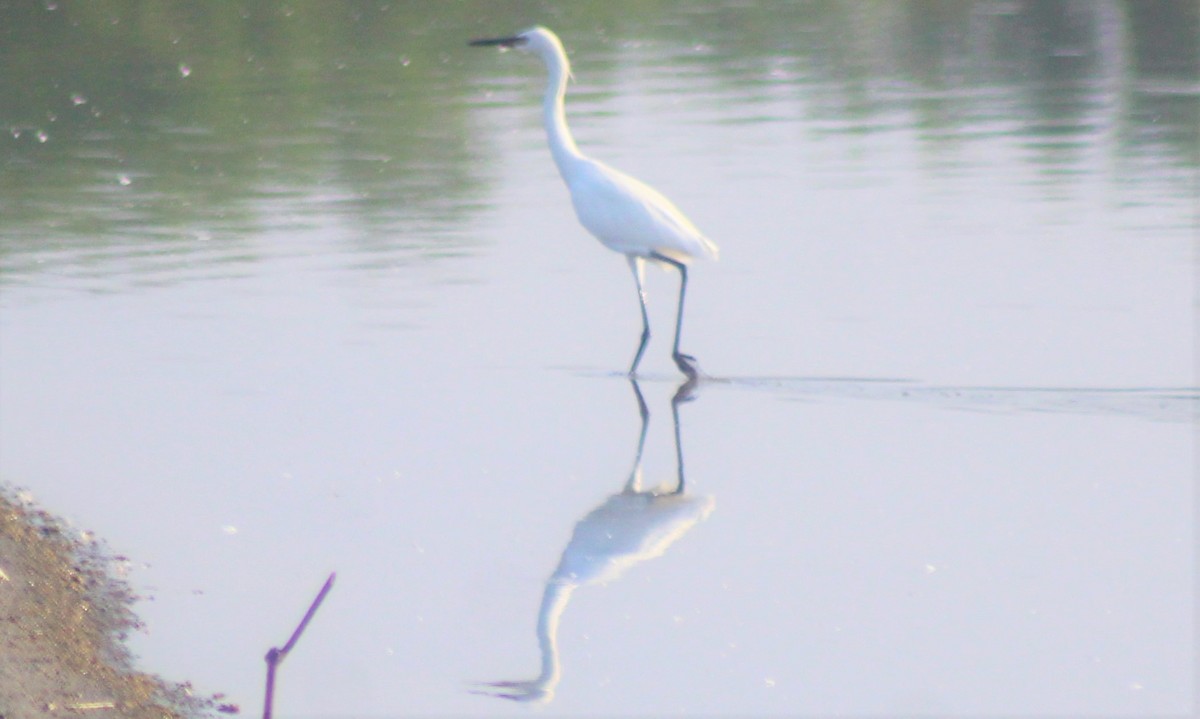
(687, 364)
(686, 392)
(518, 691)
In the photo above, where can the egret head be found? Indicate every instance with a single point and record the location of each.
(537, 40)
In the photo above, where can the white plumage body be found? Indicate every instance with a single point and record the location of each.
(630, 217)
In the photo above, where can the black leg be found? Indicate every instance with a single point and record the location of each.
(685, 363)
(683, 394)
(636, 264)
(634, 483)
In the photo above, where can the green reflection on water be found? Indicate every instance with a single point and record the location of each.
(132, 122)
(153, 118)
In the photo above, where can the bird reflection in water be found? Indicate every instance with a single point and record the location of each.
(630, 527)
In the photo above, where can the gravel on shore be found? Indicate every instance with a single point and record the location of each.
(64, 618)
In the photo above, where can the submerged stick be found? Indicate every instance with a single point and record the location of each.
(276, 655)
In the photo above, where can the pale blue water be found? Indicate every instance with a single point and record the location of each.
(319, 305)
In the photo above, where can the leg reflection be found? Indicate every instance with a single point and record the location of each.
(628, 528)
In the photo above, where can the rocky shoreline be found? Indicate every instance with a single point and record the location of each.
(64, 618)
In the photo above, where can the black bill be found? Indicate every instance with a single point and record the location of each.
(500, 41)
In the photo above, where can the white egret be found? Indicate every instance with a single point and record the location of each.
(625, 214)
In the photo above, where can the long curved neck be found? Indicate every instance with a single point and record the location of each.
(554, 601)
(554, 115)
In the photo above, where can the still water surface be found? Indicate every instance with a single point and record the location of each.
(295, 289)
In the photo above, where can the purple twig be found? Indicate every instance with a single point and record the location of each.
(275, 656)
